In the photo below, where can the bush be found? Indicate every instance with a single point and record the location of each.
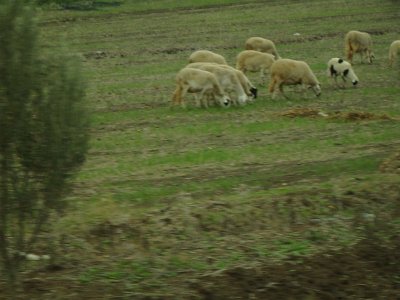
(44, 132)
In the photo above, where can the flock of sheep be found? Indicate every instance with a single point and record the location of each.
(212, 80)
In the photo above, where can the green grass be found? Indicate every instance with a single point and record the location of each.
(167, 193)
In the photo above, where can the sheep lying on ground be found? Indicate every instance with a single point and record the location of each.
(207, 56)
(203, 83)
(254, 61)
(292, 72)
(358, 42)
(339, 67)
(393, 51)
(262, 45)
(227, 79)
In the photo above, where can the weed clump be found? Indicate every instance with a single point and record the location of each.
(306, 112)
(391, 164)
(303, 112)
(359, 116)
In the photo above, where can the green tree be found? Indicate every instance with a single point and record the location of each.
(43, 132)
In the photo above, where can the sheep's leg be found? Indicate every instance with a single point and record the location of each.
(209, 100)
(350, 55)
(177, 95)
(183, 94)
(370, 55)
(344, 82)
(262, 76)
(200, 98)
(272, 87)
(335, 78)
(280, 87)
(275, 86)
(205, 100)
(197, 98)
(301, 90)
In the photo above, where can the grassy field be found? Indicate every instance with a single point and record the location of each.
(266, 201)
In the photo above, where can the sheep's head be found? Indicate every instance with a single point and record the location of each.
(350, 74)
(242, 99)
(370, 57)
(317, 89)
(225, 101)
(253, 91)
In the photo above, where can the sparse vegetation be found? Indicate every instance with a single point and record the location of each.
(292, 198)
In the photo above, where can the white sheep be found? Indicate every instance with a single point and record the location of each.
(204, 84)
(339, 67)
(227, 78)
(206, 56)
(292, 72)
(358, 42)
(394, 49)
(248, 87)
(255, 61)
(262, 45)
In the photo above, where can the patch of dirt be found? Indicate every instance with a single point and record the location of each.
(367, 271)
(103, 54)
(391, 164)
(303, 112)
(337, 115)
(358, 116)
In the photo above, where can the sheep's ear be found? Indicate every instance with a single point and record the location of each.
(340, 60)
(345, 72)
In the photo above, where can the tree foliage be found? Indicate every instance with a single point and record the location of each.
(43, 131)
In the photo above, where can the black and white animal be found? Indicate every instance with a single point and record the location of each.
(339, 67)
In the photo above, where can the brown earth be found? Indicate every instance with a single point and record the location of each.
(337, 115)
(366, 271)
(370, 269)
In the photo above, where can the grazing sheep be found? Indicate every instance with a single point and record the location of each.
(393, 51)
(292, 72)
(254, 61)
(206, 56)
(339, 67)
(358, 42)
(227, 79)
(203, 83)
(248, 87)
(262, 45)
